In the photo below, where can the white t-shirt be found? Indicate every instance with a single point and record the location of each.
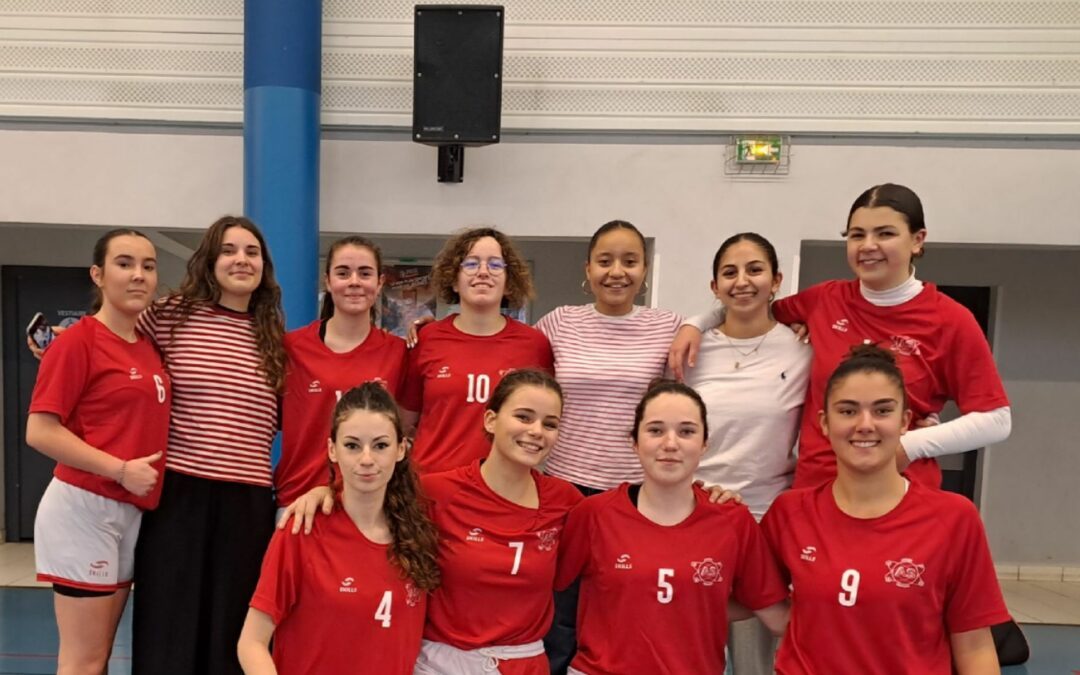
(753, 411)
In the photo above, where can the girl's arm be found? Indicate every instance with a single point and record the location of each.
(253, 649)
(46, 434)
(974, 653)
(775, 617)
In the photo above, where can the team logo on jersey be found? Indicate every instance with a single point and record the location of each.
(347, 585)
(412, 594)
(135, 374)
(808, 553)
(99, 568)
(475, 534)
(623, 562)
(315, 387)
(840, 325)
(547, 539)
(905, 573)
(707, 572)
(902, 344)
(443, 373)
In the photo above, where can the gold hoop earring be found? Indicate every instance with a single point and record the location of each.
(585, 287)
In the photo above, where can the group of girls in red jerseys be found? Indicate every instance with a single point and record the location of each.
(445, 492)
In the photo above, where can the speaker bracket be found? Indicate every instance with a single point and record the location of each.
(451, 163)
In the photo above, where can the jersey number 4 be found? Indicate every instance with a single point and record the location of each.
(382, 613)
(849, 588)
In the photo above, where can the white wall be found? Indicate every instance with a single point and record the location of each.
(674, 188)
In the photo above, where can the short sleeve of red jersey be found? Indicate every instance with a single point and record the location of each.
(545, 359)
(758, 583)
(974, 596)
(62, 376)
(279, 582)
(574, 548)
(796, 308)
(772, 529)
(973, 379)
(412, 389)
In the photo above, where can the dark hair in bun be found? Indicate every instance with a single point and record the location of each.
(867, 358)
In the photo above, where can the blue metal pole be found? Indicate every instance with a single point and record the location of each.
(282, 89)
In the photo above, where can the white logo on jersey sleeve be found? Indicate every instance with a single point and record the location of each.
(315, 387)
(808, 553)
(475, 534)
(707, 572)
(623, 562)
(905, 573)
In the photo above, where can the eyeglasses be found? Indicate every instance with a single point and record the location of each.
(495, 266)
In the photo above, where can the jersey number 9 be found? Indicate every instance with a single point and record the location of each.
(849, 585)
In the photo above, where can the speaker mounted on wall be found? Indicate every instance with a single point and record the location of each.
(457, 80)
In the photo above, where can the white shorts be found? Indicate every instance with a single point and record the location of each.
(437, 658)
(84, 540)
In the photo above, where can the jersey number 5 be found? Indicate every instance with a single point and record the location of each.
(382, 613)
(849, 585)
(667, 591)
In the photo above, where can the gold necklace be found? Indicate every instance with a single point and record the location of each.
(744, 355)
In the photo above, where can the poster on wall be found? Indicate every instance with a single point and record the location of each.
(407, 296)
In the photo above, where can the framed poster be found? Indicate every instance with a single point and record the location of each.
(407, 295)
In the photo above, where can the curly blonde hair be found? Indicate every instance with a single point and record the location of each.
(519, 285)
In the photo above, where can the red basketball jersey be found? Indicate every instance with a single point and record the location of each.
(113, 394)
(338, 602)
(316, 379)
(653, 597)
(938, 345)
(451, 378)
(497, 559)
(880, 596)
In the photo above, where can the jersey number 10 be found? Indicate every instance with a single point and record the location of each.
(479, 388)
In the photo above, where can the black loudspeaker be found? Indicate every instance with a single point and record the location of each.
(457, 74)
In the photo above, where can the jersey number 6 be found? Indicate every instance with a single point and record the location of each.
(849, 584)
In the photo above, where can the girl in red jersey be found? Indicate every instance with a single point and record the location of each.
(499, 522)
(938, 344)
(340, 350)
(461, 359)
(97, 377)
(199, 553)
(364, 571)
(900, 570)
(657, 562)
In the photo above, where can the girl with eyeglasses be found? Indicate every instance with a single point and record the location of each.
(454, 370)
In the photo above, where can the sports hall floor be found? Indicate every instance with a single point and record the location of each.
(1048, 610)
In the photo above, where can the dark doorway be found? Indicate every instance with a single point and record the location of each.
(62, 294)
(824, 260)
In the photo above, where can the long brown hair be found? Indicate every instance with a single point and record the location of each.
(414, 545)
(200, 288)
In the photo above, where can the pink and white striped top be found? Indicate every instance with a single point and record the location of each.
(224, 414)
(604, 364)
